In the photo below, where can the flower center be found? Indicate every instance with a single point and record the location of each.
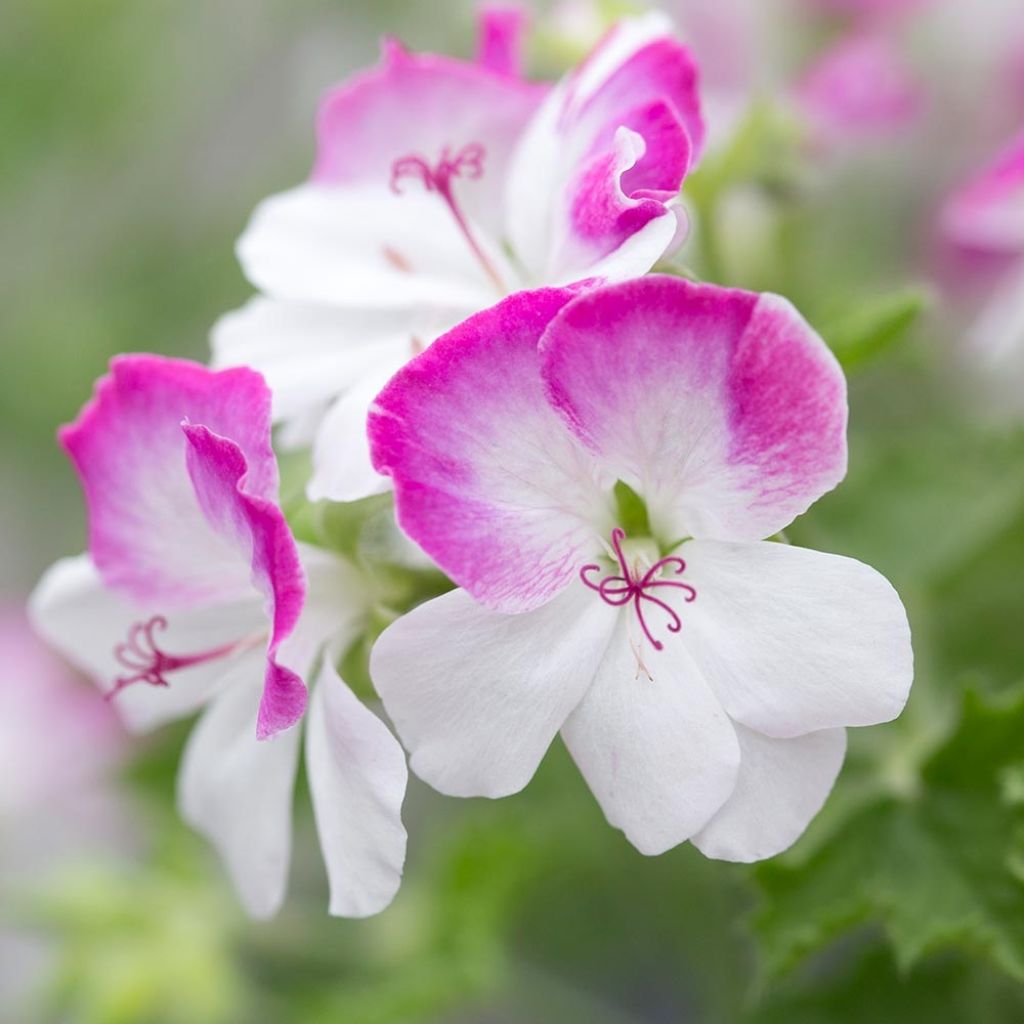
(467, 163)
(145, 662)
(634, 585)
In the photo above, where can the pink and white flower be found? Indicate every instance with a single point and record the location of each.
(984, 221)
(440, 186)
(700, 676)
(194, 594)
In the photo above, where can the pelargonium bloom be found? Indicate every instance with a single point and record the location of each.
(440, 186)
(699, 675)
(984, 219)
(194, 594)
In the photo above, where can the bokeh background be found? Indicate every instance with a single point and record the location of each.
(136, 139)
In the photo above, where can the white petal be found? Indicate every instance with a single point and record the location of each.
(342, 470)
(793, 641)
(659, 753)
(477, 696)
(309, 353)
(237, 790)
(72, 610)
(365, 247)
(781, 786)
(357, 779)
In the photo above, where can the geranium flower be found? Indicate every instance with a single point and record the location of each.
(700, 676)
(440, 186)
(194, 594)
(984, 219)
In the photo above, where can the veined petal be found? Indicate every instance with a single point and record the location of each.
(75, 612)
(576, 191)
(487, 479)
(147, 534)
(722, 408)
(653, 743)
(782, 784)
(363, 246)
(421, 104)
(357, 779)
(237, 791)
(476, 695)
(309, 353)
(794, 641)
(258, 529)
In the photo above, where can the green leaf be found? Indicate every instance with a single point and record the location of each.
(874, 324)
(938, 869)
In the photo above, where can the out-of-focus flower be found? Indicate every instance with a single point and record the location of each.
(59, 747)
(440, 186)
(699, 676)
(192, 594)
(984, 219)
(861, 86)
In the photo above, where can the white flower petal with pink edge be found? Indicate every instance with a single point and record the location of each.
(794, 641)
(726, 414)
(781, 786)
(430, 172)
(467, 435)
(478, 696)
(181, 514)
(722, 408)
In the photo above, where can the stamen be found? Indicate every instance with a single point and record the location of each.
(467, 163)
(630, 585)
(142, 657)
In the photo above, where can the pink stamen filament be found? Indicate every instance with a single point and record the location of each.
(142, 657)
(631, 586)
(467, 163)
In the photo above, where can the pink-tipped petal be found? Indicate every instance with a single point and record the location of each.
(257, 529)
(722, 408)
(419, 104)
(487, 480)
(578, 187)
(500, 38)
(147, 534)
(986, 214)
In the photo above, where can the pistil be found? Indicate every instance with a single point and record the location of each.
(632, 585)
(141, 655)
(467, 163)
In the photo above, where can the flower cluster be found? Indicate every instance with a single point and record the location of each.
(458, 309)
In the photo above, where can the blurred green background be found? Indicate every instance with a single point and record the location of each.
(136, 138)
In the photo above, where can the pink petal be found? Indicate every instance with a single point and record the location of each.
(986, 214)
(257, 527)
(860, 86)
(500, 38)
(487, 480)
(579, 187)
(722, 408)
(419, 104)
(147, 535)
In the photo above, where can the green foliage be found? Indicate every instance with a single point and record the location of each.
(872, 324)
(939, 867)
